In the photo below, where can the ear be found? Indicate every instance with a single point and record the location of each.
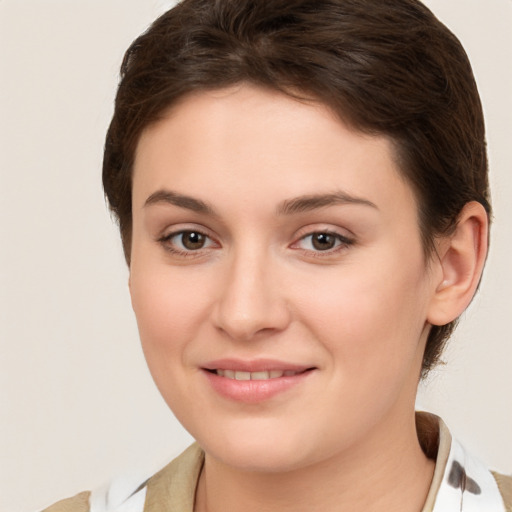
(461, 261)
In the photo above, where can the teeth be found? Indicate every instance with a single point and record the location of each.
(260, 375)
(241, 375)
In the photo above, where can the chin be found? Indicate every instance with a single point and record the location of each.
(258, 459)
(259, 450)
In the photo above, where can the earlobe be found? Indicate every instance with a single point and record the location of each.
(461, 259)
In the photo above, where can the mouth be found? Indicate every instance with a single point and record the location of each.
(258, 375)
(257, 381)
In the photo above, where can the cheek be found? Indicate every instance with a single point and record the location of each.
(168, 308)
(373, 317)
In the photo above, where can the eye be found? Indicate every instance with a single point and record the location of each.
(323, 241)
(186, 241)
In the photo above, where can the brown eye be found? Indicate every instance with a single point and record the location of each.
(323, 241)
(187, 242)
(192, 240)
(326, 242)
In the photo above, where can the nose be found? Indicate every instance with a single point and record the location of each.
(252, 299)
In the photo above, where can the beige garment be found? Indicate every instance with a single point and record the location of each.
(173, 488)
(436, 440)
(505, 487)
(79, 503)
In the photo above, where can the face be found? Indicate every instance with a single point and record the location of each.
(278, 278)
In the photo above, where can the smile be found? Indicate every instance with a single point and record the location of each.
(262, 375)
(257, 381)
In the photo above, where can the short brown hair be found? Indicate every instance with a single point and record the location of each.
(385, 67)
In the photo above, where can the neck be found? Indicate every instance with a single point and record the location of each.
(386, 472)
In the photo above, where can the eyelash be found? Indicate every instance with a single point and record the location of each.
(342, 242)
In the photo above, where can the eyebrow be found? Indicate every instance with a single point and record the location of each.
(288, 207)
(181, 200)
(313, 202)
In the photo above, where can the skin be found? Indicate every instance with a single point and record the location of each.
(358, 313)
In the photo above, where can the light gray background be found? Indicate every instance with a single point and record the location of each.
(77, 405)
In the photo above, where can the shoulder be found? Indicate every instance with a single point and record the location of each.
(505, 486)
(120, 495)
(171, 488)
(79, 503)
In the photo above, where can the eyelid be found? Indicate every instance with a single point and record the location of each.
(341, 238)
(321, 227)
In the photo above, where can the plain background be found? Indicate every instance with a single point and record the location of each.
(77, 404)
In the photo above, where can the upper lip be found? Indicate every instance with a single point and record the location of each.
(256, 365)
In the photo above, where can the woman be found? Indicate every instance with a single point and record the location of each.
(302, 193)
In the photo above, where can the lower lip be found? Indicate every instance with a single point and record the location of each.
(254, 391)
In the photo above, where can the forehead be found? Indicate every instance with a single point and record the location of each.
(247, 140)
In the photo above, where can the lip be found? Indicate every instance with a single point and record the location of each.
(254, 391)
(256, 365)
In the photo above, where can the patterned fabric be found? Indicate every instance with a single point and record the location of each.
(460, 483)
(467, 485)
